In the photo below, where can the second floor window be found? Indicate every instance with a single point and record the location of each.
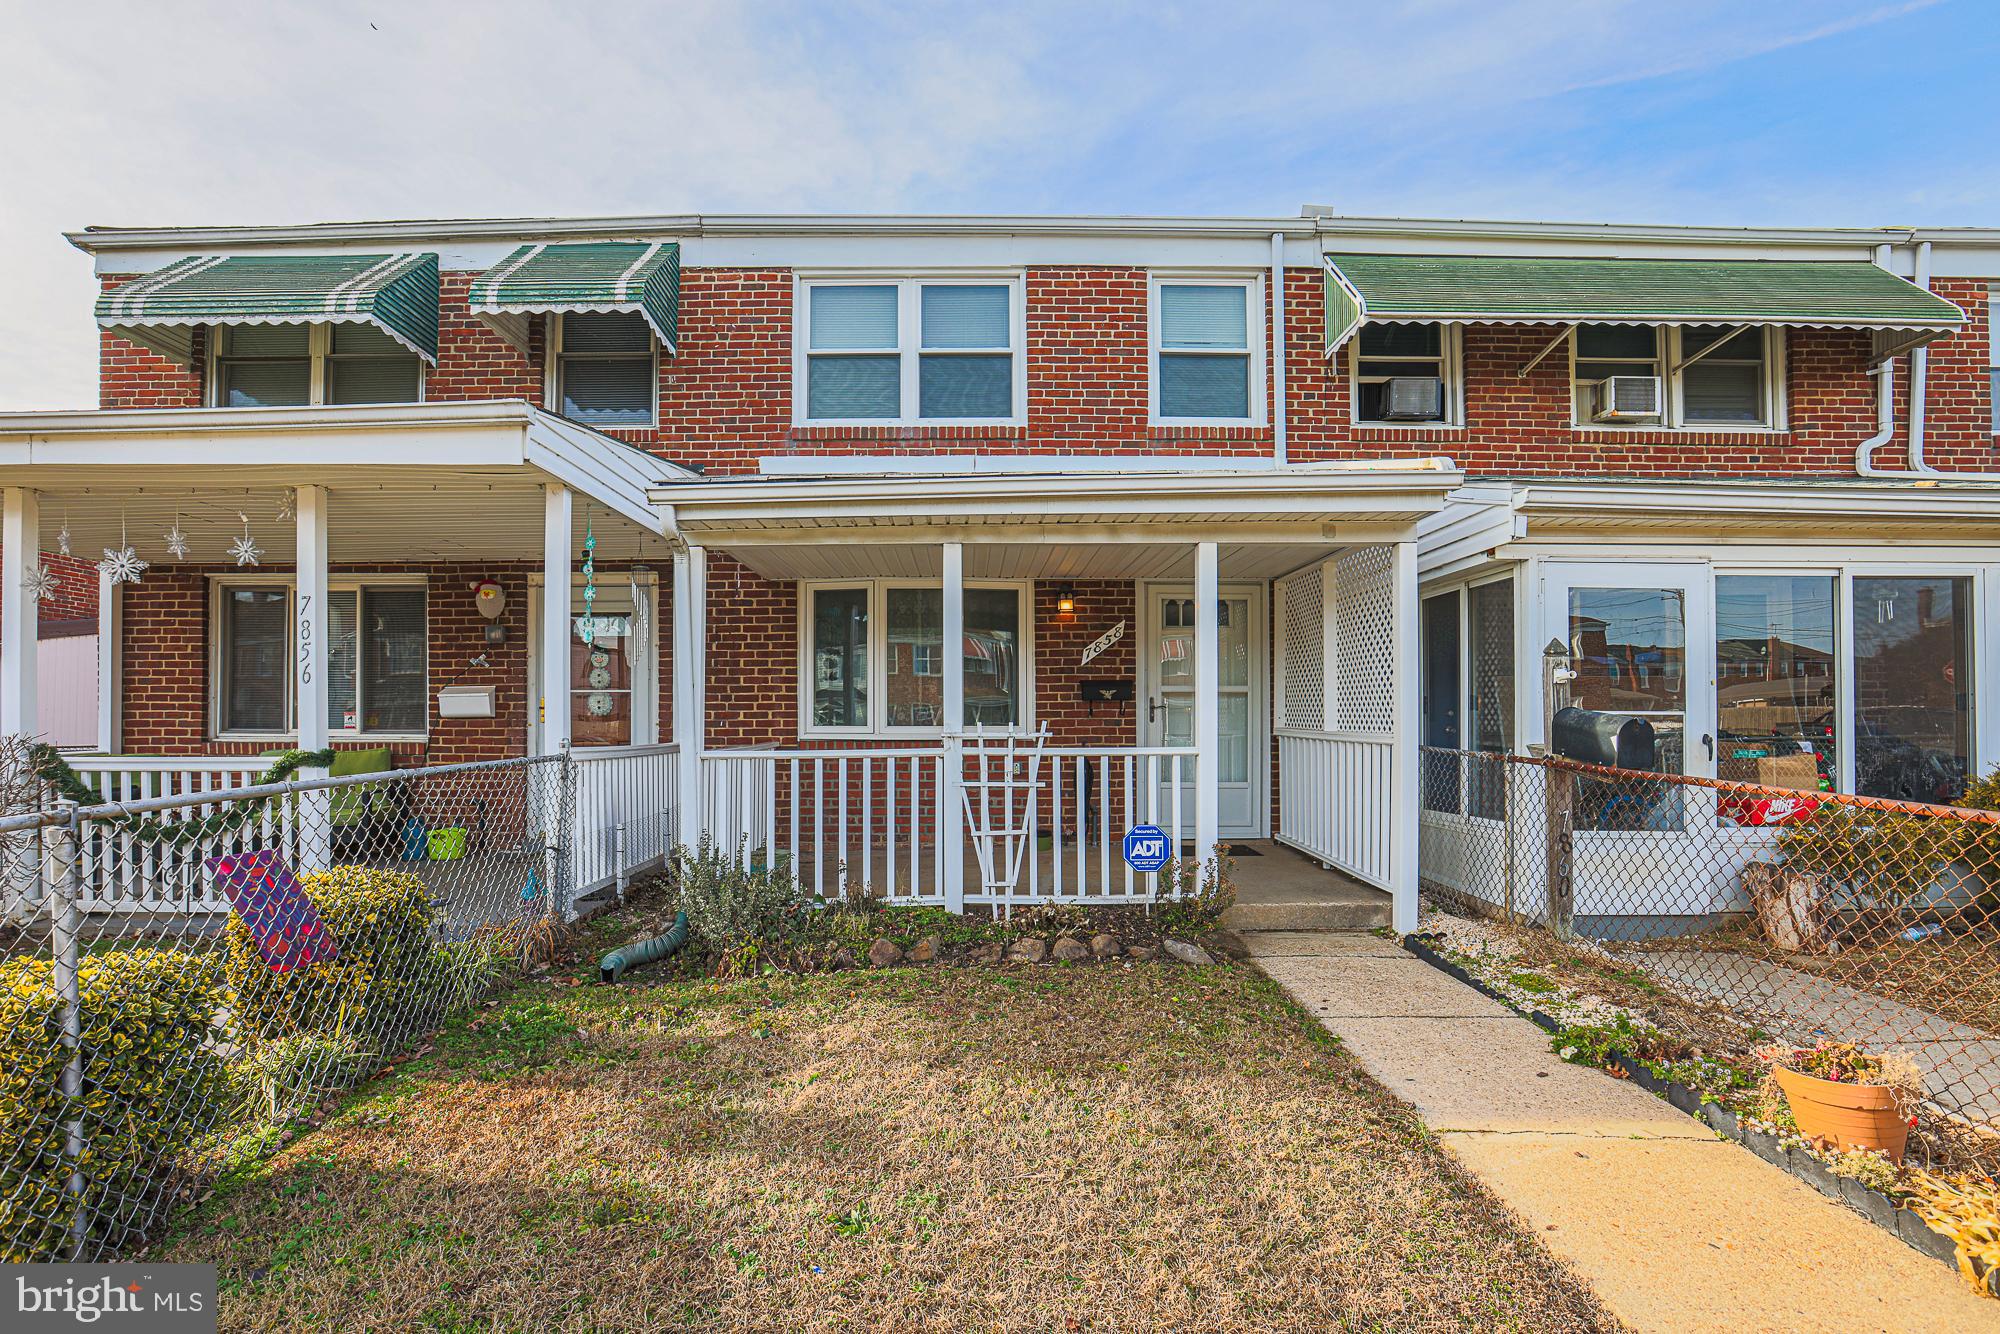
(1708, 375)
(1206, 340)
(1404, 374)
(290, 365)
(910, 351)
(605, 369)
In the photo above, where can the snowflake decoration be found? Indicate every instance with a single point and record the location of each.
(40, 582)
(244, 549)
(177, 541)
(122, 565)
(288, 506)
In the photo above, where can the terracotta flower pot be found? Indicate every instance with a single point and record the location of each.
(1846, 1116)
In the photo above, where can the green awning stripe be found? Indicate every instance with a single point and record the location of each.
(637, 277)
(397, 294)
(1480, 289)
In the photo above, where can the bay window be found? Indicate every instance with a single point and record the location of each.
(292, 365)
(874, 657)
(378, 665)
(910, 351)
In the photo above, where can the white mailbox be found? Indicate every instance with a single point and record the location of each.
(465, 702)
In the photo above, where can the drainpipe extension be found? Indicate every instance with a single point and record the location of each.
(1885, 402)
(627, 957)
(1281, 450)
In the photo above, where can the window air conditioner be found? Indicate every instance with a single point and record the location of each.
(1412, 398)
(1623, 397)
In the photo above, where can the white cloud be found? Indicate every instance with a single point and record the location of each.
(186, 113)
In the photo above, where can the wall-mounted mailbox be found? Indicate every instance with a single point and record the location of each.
(1617, 740)
(465, 702)
(1105, 692)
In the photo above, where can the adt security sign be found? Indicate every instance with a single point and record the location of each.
(1145, 848)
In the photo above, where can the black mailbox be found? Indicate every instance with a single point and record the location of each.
(1105, 692)
(1617, 740)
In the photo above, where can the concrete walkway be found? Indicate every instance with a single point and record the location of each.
(1672, 1227)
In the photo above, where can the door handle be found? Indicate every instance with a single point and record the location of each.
(1708, 744)
(1152, 708)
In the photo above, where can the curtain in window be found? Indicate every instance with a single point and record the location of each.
(1201, 317)
(961, 316)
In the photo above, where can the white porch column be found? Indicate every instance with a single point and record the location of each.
(110, 666)
(1404, 796)
(557, 529)
(309, 686)
(20, 613)
(951, 810)
(1207, 702)
(690, 689)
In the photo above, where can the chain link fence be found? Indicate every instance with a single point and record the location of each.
(183, 978)
(1799, 914)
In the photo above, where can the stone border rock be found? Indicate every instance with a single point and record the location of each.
(1871, 1204)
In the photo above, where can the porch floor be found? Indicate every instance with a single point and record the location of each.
(1283, 890)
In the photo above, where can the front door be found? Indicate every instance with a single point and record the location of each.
(1166, 696)
(1640, 638)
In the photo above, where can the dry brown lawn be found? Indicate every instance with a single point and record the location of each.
(1124, 1147)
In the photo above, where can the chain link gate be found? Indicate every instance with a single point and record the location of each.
(151, 1039)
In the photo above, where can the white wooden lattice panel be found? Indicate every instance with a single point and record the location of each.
(1364, 582)
(1301, 649)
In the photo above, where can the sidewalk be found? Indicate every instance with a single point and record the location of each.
(1672, 1227)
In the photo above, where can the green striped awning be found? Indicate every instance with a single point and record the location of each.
(1481, 289)
(397, 294)
(594, 277)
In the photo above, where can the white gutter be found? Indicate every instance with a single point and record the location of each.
(1280, 448)
(1885, 401)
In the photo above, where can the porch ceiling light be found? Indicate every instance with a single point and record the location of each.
(1066, 601)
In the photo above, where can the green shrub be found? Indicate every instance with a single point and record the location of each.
(152, 1085)
(1206, 892)
(283, 1079)
(385, 974)
(737, 916)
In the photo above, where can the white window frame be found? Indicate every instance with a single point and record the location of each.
(552, 376)
(1256, 334)
(354, 583)
(1451, 365)
(909, 349)
(878, 663)
(1672, 343)
(319, 347)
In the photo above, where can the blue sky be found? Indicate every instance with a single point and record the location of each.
(1837, 112)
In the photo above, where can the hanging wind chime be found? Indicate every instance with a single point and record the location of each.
(121, 564)
(588, 630)
(62, 538)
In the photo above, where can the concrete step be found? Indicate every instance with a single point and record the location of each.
(1328, 912)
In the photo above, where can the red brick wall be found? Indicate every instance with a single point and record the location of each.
(1059, 643)
(130, 376)
(76, 589)
(1518, 426)
(473, 361)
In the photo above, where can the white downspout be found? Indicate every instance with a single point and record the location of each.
(1885, 409)
(1280, 448)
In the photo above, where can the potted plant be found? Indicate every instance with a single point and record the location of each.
(1841, 1097)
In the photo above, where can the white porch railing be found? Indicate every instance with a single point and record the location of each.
(124, 873)
(865, 821)
(627, 807)
(1335, 791)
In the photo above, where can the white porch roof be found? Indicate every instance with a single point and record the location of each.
(408, 482)
(1266, 520)
(1484, 519)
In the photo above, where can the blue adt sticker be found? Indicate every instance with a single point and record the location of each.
(1145, 848)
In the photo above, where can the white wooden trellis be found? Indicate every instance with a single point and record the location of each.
(1002, 840)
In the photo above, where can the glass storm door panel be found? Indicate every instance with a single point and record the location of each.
(1641, 640)
(1168, 708)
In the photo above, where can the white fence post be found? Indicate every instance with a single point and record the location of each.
(1207, 703)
